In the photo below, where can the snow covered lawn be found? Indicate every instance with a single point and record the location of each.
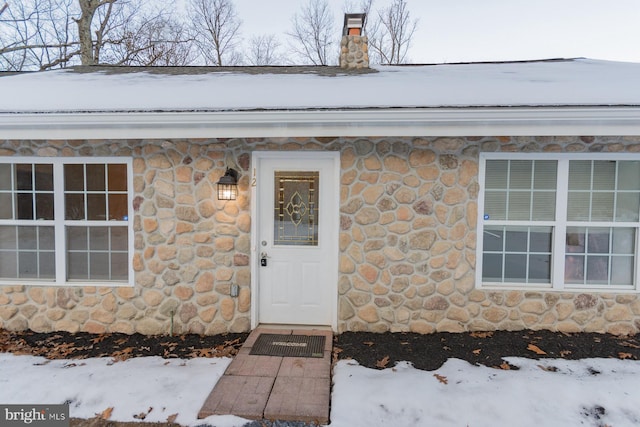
(130, 387)
(549, 392)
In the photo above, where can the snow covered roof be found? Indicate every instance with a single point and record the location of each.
(194, 97)
(578, 82)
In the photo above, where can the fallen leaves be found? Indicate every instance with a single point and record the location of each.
(536, 349)
(122, 355)
(505, 366)
(441, 378)
(335, 354)
(106, 414)
(143, 415)
(169, 349)
(477, 351)
(383, 362)
(98, 339)
(477, 334)
(227, 349)
(172, 418)
(629, 344)
(62, 351)
(203, 352)
(233, 343)
(623, 356)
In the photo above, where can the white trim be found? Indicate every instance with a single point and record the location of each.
(558, 156)
(256, 157)
(482, 161)
(560, 227)
(253, 252)
(59, 228)
(463, 121)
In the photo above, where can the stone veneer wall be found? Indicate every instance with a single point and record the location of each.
(354, 52)
(407, 242)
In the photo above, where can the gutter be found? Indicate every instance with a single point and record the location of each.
(467, 121)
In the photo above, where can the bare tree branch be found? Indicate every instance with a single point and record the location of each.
(390, 36)
(35, 33)
(58, 61)
(216, 31)
(33, 46)
(263, 50)
(161, 42)
(43, 34)
(100, 32)
(135, 32)
(314, 33)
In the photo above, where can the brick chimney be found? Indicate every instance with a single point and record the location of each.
(354, 49)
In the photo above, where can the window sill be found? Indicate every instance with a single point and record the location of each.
(576, 290)
(78, 284)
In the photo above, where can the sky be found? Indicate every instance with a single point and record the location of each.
(546, 392)
(489, 30)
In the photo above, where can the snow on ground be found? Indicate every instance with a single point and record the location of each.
(588, 392)
(130, 387)
(549, 392)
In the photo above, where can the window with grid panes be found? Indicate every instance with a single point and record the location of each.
(65, 220)
(560, 222)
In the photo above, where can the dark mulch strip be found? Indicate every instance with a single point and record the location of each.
(429, 352)
(81, 345)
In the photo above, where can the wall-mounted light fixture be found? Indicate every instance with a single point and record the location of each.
(228, 185)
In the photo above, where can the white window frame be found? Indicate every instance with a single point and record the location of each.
(559, 225)
(59, 222)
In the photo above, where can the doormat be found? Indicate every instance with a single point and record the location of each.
(288, 345)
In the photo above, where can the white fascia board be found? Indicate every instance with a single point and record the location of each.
(512, 121)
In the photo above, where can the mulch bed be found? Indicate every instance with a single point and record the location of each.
(427, 352)
(81, 345)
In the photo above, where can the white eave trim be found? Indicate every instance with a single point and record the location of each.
(515, 121)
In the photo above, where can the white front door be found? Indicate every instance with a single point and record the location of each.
(296, 246)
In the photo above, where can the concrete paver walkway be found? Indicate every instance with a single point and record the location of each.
(274, 388)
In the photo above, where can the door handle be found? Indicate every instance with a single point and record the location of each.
(263, 259)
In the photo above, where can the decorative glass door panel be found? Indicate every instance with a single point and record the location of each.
(296, 213)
